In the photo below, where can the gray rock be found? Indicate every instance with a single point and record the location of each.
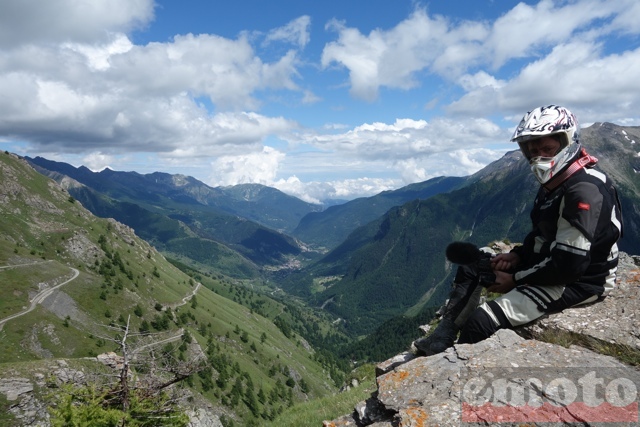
(418, 391)
(430, 390)
(389, 364)
(13, 388)
(202, 418)
(26, 409)
(111, 359)
(370, 412)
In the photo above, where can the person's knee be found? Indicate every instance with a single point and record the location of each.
(478, 327)
(485, 321)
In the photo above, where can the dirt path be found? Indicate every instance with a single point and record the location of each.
(191, 295)
(155, 343)
(22, 265)
(186, 299)
(40, 296)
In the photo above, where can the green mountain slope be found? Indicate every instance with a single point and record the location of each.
(618, 151)
(397, 263)
(170, 235)
(267, 206)
(71, 280)
(331, 226)
(169, 212)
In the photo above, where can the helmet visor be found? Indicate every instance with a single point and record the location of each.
(546, 147)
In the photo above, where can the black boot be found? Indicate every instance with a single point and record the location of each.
(462, 302)
(442, 338)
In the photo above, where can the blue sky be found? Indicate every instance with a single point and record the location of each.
(332, 99)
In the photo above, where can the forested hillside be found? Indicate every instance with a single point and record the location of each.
(396, 264)
(330, 227)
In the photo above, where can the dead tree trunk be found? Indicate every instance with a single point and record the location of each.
(124, 372)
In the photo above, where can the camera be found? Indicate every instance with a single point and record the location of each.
(468, 254)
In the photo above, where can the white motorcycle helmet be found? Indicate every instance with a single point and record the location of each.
(548, 121)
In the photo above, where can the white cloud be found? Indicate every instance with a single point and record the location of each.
(256, 168)
(455, 50)
(51, 22)
(295, 32)
(411, 171)
(525, 28)
(478, 81)
(316, 191)
(627, 20)
(407, 138)
(310, 97)
(226, 133)
(460, 162)
(226, 71)
(78, 96)
(98, 55)
(393, 58)
(388, 156)
(97, 161)
(595, 87)
(385, 58)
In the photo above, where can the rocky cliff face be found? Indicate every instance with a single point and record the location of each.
(514, 377)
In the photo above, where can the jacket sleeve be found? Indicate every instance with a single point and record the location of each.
(569, 256)
(525, 251)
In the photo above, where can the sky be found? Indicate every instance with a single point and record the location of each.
(320, 99)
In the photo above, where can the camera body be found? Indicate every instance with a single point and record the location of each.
(486, 276)
(468, 254)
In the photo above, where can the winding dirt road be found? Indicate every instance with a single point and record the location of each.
(40, 296)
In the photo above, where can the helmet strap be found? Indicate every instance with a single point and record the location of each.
(585, 160)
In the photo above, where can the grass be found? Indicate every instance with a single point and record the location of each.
(314, 412)
(223, 315)
(18, 282)
(45, 331)
(624, 353)
(6, 418)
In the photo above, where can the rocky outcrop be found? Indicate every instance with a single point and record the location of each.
(28, 391)
(23, 405)
(111, 359)
(203, 418)
(443, 389)
(24, 390)
(511, 379)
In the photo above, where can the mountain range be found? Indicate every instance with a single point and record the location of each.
(227, 229)
(365, 261)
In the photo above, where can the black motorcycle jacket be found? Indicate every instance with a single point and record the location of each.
(576, 226)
